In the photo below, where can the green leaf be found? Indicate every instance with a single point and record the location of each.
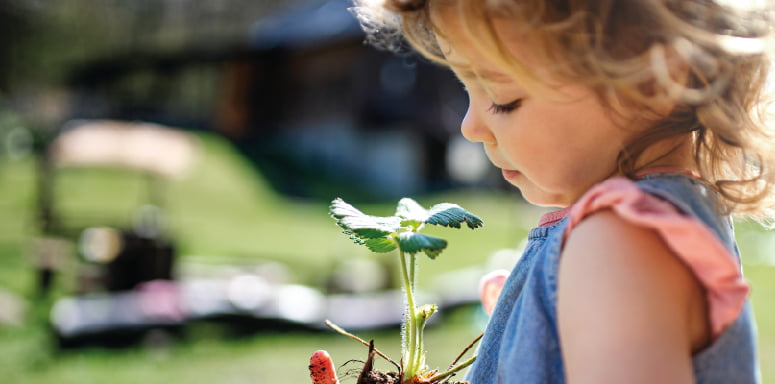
(451, 215)
(413, 242)
(339, 209)
(361, 225)
(357, 240)
(365, 230)
(411, 213)
(381, 245)
(409, 209)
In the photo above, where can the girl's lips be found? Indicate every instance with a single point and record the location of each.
(509, 174)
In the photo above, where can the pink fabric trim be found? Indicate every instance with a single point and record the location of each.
(553, 217)
(695, 244)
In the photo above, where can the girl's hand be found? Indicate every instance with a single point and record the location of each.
(490, 287)
(321, 368)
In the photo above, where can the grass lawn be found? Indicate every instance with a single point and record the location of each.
(223, 214)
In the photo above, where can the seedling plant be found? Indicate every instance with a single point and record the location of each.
(402, 232)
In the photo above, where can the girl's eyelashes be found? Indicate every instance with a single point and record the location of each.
(505, 108)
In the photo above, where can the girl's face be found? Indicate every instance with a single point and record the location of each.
(553, 146)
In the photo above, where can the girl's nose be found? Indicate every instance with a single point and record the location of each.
(474, 129)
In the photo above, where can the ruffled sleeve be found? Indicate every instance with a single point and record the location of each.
(693, 242)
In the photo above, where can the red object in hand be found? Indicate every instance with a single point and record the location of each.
(321, 368)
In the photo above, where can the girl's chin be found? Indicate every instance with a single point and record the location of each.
(530, 192)
(543, 199)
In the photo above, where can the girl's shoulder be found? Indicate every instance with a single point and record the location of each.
(645, 278)
(672, 213)
(628, 309)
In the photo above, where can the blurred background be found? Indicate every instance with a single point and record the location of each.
(165, 173)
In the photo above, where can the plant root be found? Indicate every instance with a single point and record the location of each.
(370, 376)
(358, 339)
(463, 352)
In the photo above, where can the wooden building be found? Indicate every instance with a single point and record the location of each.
(319, 112)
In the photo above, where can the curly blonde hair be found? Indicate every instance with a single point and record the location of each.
(626, 50)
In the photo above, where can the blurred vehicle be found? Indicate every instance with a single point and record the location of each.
(123, 273)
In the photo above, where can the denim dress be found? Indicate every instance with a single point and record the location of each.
(521, 343)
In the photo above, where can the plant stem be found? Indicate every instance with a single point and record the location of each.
(419, 360)
(412, 264)
(442, 375)
(411, 321)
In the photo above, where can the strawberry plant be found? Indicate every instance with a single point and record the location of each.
(399, 232)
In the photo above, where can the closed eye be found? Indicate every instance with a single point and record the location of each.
(505, 108)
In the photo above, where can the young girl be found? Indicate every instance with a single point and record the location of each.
(643, 121)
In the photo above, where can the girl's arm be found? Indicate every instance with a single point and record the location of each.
(629, 310)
